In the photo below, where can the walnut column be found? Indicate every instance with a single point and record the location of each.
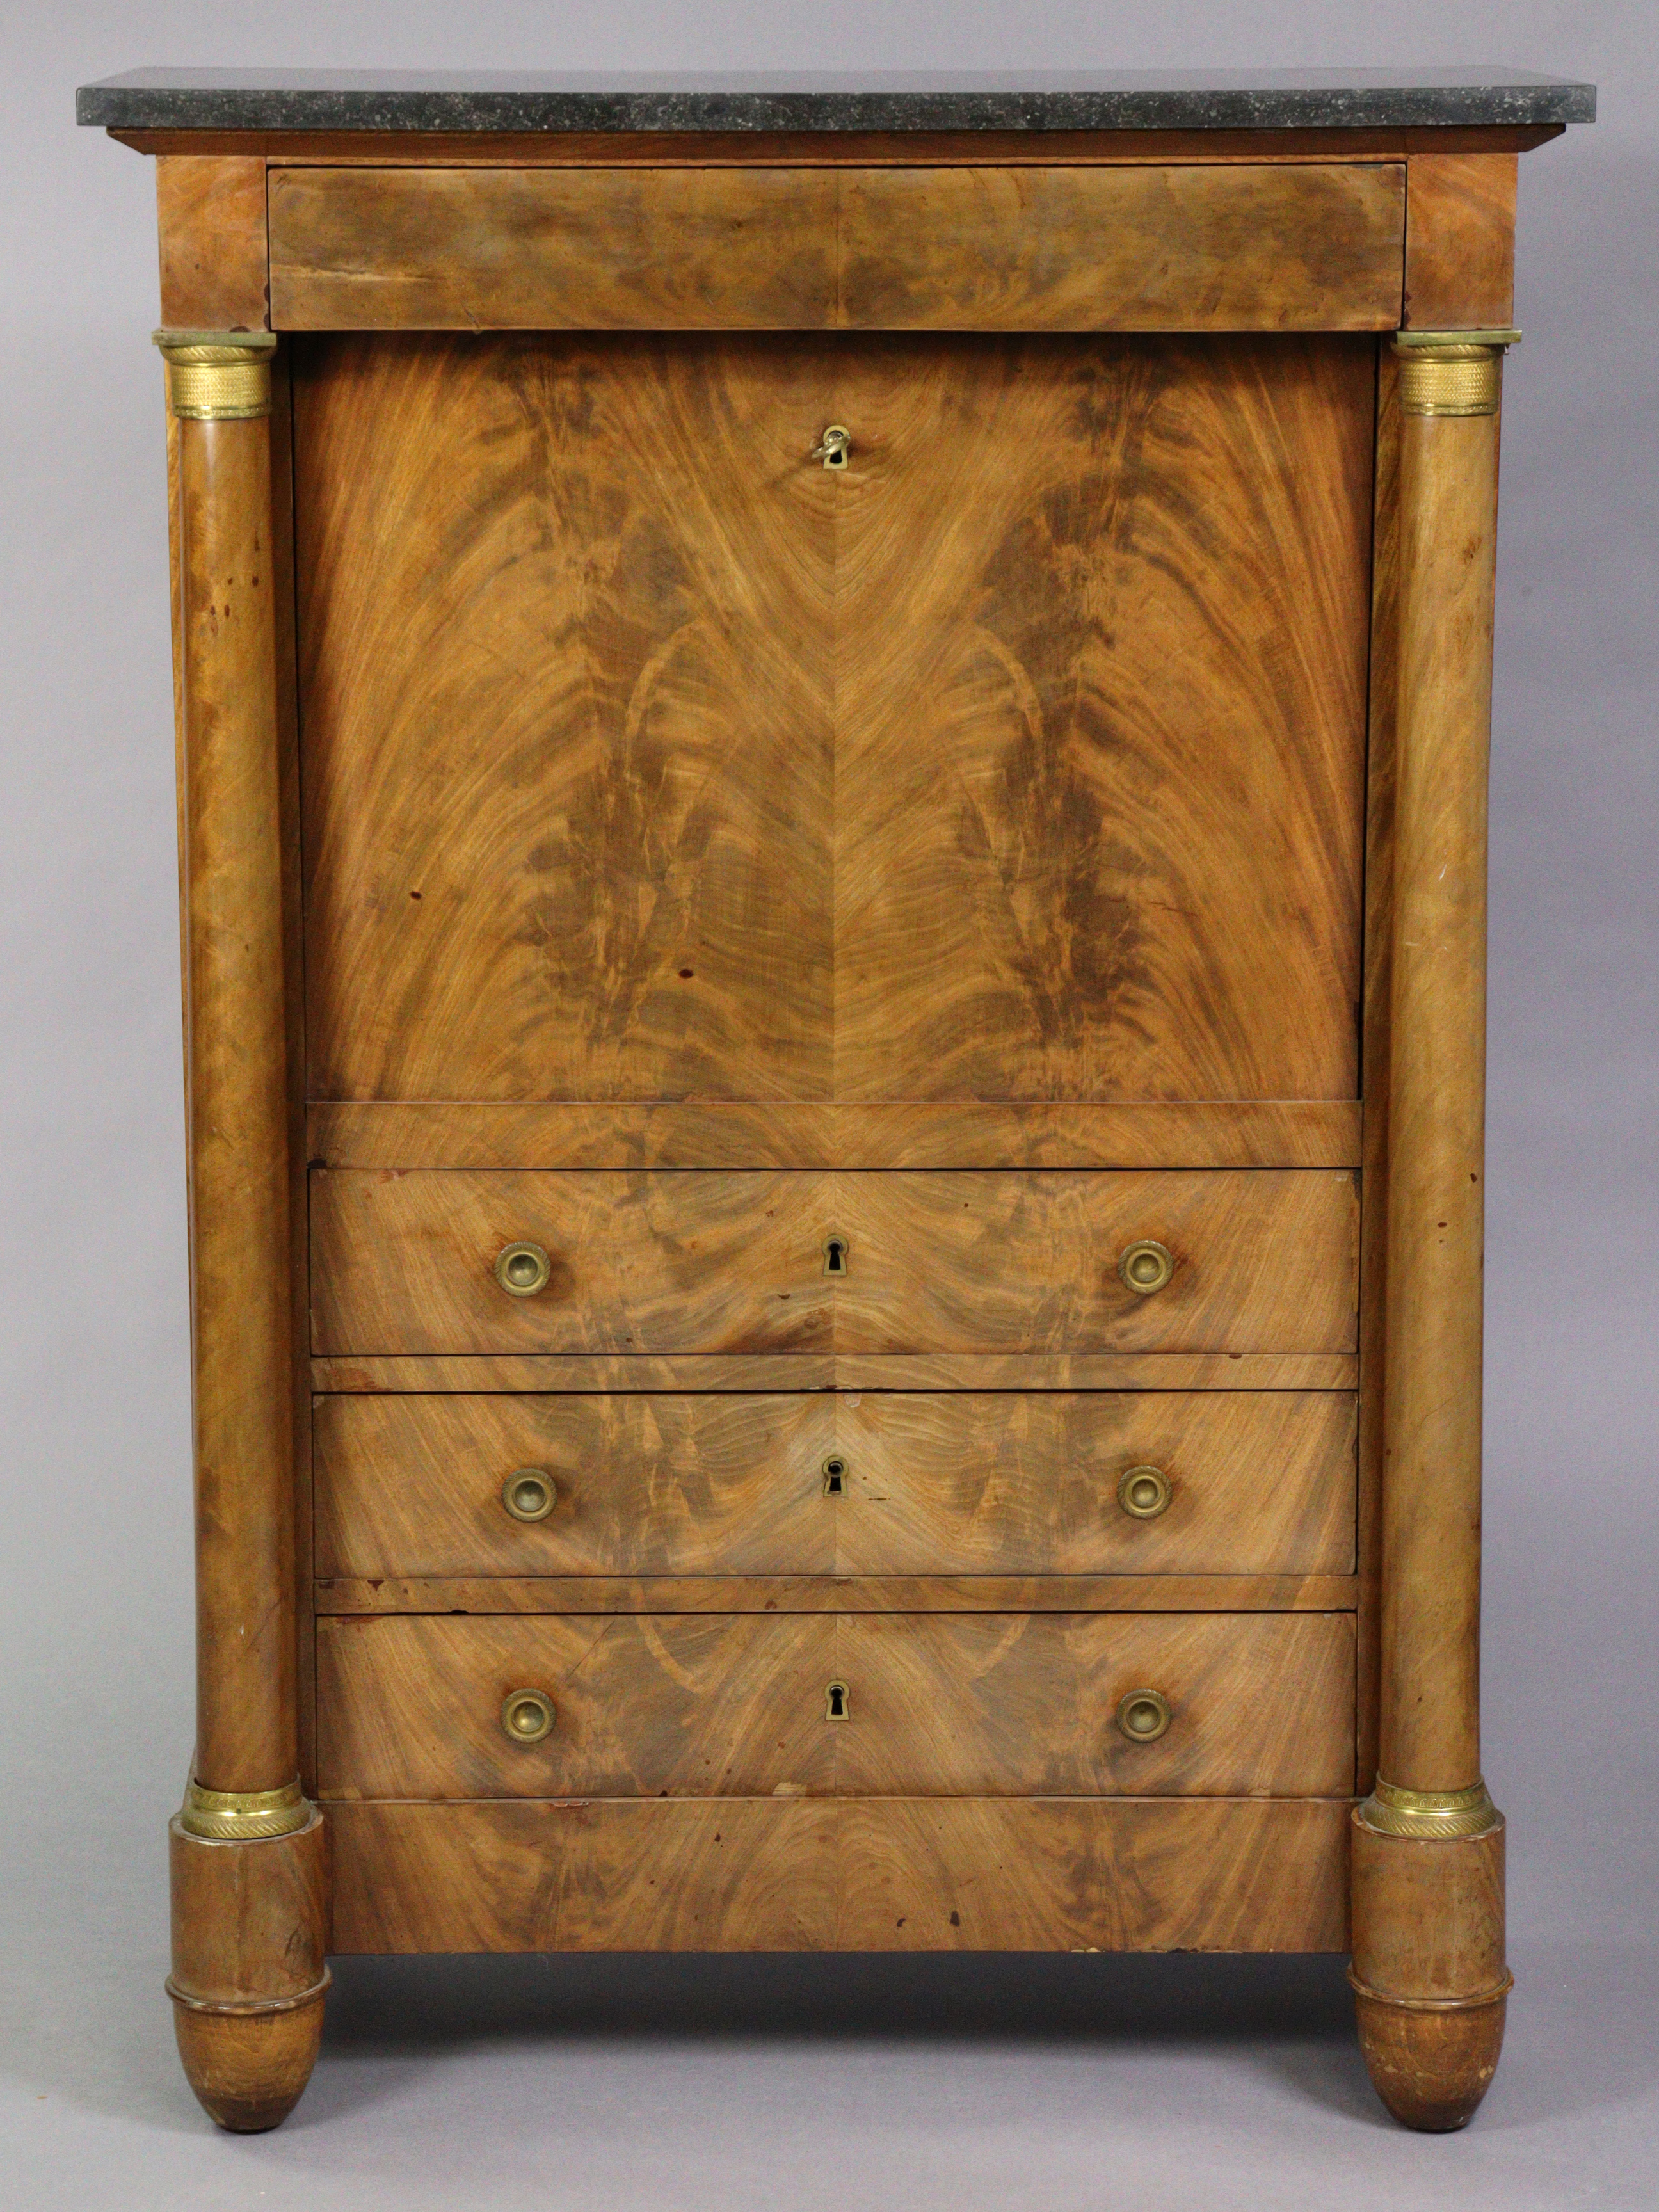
(1428, 1844)
(248, 1918)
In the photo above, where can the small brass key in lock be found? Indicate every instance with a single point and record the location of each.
(837, 1702)
(835, 447)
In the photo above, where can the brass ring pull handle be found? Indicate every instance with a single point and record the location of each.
(1144, 1492)
(529, 1494)
(1144, 1715)
(1145, 1266)
(834, 447)
(526, 1716)
(522, 1269)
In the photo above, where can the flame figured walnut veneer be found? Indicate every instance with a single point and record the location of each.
(934, 1482)
(934, 778)
(831, 914)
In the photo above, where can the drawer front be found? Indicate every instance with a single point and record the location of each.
(890, 1483)
(1263, 1259)
(993, 1705)
(1183, 246)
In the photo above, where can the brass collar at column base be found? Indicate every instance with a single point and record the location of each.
(1392, 1811)
(217, 376)
(226, 1816)
(1452, 372)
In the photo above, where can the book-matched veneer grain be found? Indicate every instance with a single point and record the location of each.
(770, 1594)
(962, 1705)
(766, 1371)
(1022, 761)
(816, 1873)
(1305, 246)
(891, 1483)
(963, 1262)
(1252, 1132)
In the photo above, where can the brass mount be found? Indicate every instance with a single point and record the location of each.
(1452, 372)
(1430, 1813)
(217, 376)
(228, 1816)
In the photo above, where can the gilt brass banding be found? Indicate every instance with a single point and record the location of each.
(217, 376)
(1452, 372)
(1146, 1266)
(252, 1815)
(522, 1269)
(528, 1494)
(1144, 1715)
(1392, 1811)
(1144, 1492)
(526, 1716)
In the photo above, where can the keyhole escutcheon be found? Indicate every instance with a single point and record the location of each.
(836, 1251)
(835, 447)
(835, 1476)
(837, 1702)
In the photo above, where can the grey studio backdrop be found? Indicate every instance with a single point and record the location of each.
(903, 2083)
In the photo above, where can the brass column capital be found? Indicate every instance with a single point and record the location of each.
(217, 376)
(1452, 372)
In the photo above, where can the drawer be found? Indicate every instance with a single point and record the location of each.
(1263, 1259)
(1185, 246)
(882, 1483)
(995, 1704)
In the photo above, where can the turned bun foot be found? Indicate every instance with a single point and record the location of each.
(248, 1980)
(248, 2070)
(1431, 2068)
(1429, 1978)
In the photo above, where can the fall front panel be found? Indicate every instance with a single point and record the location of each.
(646, 757)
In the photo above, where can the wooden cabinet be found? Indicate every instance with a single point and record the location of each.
(832, 791)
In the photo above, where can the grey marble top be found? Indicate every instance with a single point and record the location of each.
(400, 100)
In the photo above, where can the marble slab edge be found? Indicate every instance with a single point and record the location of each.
(150, 100)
